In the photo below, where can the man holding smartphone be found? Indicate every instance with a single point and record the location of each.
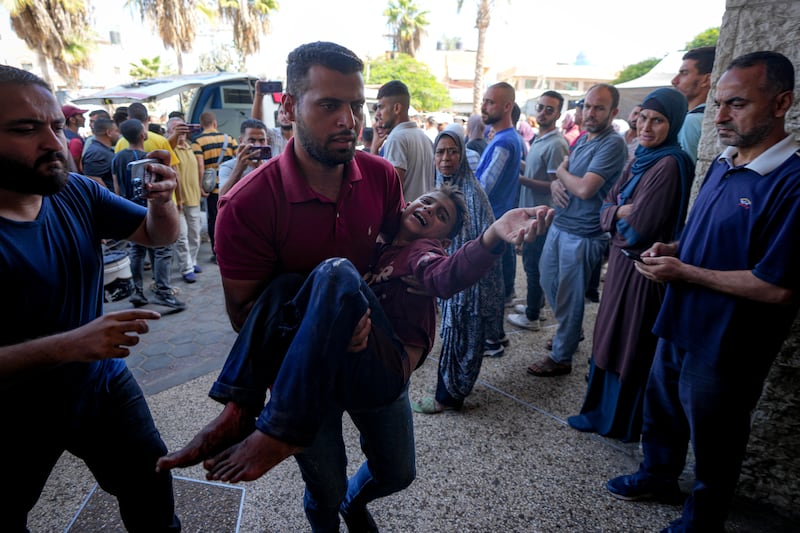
(254, 150)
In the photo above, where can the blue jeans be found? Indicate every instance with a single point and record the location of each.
(531, 254)
(97, 413)
(295, 339)
(566, 266)
(162, 260)
(688, 398)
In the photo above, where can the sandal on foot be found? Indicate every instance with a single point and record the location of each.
(429, 406)
(547, 368)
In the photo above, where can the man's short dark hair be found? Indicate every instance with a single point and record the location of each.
(516, 112)
(326, 54)
(102, 125)
(101, 113)
(393, 88)
(121, 115)
(16, 76)
(556, 95)
(703, 58)
(177, 114)
(610, 88)
(138, 111)
(252, 123)
(132, 130)
(780, 71)
(367, 134)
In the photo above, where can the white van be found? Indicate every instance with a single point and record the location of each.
(228, 95)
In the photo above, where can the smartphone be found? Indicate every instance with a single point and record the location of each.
(260, 153)
(631, 255)
(194, 129)
(140, 177)
(269, 87)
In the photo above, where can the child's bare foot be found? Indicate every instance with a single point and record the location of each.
(229, 427)
(249, 459)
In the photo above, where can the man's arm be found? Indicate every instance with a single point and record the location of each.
(494, 170)
(539, 186)
(238, 169)
(257, 111)
(240, 295)
(103, 338)
(401, 173)
(661, 265)
(583, 187)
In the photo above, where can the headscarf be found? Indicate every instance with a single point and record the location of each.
(526, 131)
(568, 122)
(475, 127)
(455, 133)
(673, 105)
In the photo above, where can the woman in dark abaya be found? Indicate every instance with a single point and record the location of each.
(647, 204)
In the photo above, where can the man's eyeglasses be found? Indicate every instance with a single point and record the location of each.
(548, 109)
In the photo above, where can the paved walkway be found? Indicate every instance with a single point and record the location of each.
(507, 462)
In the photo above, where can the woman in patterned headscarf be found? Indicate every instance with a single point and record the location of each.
(472, 315)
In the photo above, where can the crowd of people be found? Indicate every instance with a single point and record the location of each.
(334, 261)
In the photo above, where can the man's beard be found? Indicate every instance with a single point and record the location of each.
(598, 126)
(733, 137)
(318, 150)
(491, 119)
(22, 179)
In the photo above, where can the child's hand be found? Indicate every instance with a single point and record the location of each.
(519, 225)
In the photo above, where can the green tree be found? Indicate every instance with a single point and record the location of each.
(482, 23)
(408, 24)
(708, 37)
(427, 94)
(56, 31)
(631, 72)
(148, 68)
(249, 18)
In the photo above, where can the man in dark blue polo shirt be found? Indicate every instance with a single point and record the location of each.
(730, 300)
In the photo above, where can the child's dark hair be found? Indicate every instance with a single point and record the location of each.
(456, 196)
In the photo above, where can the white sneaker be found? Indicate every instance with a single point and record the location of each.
(521, 321)
(522, 309)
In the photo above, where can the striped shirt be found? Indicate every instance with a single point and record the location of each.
(209, 145)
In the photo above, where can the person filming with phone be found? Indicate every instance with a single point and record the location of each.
(63, 382)
(254, 150)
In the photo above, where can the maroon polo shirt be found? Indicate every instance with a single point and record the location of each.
(272, 222)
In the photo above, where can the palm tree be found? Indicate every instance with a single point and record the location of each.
(408, 25)
(482, 23)
(56, 31)
(249, 18)
(148, 68)
(175, 20)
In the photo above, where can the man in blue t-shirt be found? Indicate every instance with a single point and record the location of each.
(730, 300)
(63, 384)
(498, 172)
(575, 243)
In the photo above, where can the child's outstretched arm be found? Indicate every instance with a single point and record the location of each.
(518, 225)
